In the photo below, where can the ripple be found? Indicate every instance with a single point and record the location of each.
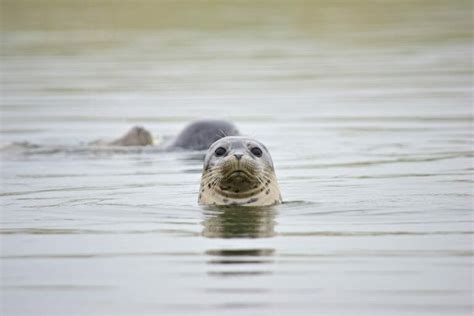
(371, 233)
(368, 163)
(58, 287)
(65, 231)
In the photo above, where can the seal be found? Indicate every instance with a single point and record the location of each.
(136, 136)
(198, 135)
(238, 171)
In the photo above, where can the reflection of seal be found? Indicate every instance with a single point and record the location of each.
(198, 135)
(238, 171)
(239, 222)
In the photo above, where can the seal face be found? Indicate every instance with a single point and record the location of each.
(238, 171)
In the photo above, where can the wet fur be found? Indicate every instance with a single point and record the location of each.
(257, 186)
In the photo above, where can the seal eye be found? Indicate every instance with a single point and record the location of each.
(256, 151)
(220, 151)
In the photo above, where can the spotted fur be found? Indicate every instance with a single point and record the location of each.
(239, 177)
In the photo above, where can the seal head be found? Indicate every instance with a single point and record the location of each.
(199, 135)
(238, 171)
(136, 136)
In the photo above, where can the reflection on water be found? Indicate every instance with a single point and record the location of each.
(365, 106)
(239, 222)
(229, 262)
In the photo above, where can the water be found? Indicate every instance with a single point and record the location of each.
(365, 106)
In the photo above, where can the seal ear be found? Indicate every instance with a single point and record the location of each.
(207, 163)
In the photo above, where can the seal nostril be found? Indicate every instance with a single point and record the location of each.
(238, 156)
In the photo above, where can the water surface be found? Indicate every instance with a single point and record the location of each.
(366, 107)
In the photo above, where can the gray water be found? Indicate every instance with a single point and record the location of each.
(365, 106)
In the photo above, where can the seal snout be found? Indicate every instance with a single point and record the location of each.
(238, 165)
(239, 173)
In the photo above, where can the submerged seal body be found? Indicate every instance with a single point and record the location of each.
(198, 135)
(136, 136)
(238, 171)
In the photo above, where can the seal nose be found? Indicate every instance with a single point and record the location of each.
(238, 156)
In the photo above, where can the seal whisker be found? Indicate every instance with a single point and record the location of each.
(211, 173)
(222, 132)
(259, 178)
